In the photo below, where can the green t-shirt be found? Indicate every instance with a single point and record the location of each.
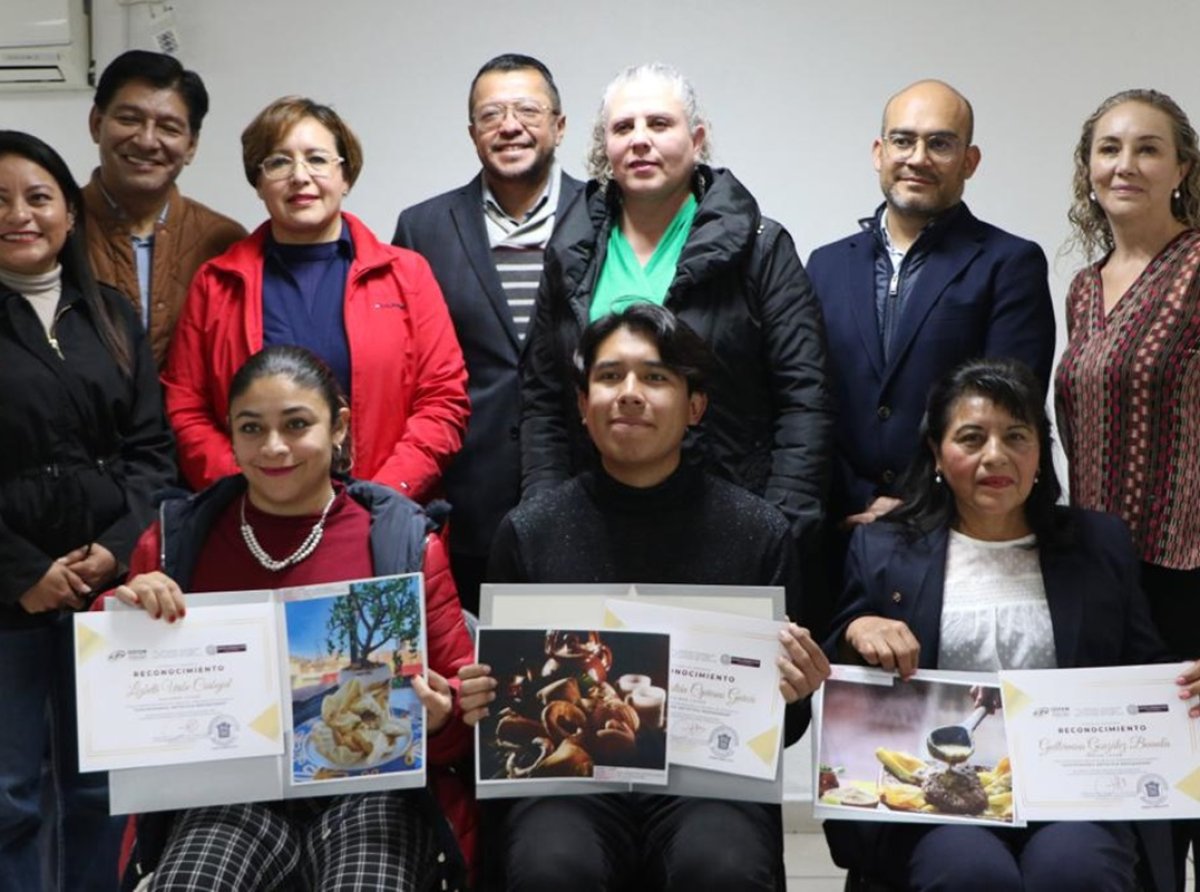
(624, 281)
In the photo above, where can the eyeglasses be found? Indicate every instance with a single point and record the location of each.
(318, 164)
(529, 112)
(941, 146)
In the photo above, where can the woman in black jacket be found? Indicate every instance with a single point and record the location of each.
(86, 446)
(658, 224)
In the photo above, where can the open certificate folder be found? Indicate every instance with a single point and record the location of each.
(197, 713)
(555, 607)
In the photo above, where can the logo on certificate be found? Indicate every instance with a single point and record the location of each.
(223, 730)
(723, 742)
(1152, 789)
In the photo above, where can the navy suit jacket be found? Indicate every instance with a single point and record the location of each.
(1093, 589)
(484, 480)
(1098, 612)
(980, 292)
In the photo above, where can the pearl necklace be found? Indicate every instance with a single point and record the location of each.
(307, 547)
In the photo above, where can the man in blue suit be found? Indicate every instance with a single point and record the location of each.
(920, 288)
(485, 242)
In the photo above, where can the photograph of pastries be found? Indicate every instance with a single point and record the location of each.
(933, 749)
(352, 658)
(569, 701)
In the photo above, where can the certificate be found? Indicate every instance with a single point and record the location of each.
(300, 692)
(152, 693)
(1102, 744)
(726, 709)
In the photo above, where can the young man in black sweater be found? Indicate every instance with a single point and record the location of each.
(647, 514)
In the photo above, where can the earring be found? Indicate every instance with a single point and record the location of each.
(1091, 196)
(343, 458)
(1037, 475)
(1175, 194)
(937, 475)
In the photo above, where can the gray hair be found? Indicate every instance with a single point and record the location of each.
(599, 167)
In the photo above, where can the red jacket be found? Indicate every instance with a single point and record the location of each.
(408, 382)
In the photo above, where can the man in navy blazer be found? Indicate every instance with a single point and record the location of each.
(485, 243)
(922, 287)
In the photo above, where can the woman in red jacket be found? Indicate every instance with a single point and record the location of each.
(285, 521)
(316, 277)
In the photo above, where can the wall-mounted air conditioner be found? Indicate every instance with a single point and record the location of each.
(45, 44)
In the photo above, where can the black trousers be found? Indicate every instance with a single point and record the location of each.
(1068, 856)
(1174, 597)
(632, 841)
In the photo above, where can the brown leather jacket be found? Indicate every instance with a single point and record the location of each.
(189, 235)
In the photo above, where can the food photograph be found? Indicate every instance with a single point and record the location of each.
(916, 750)
(575, 706)
(351, 659)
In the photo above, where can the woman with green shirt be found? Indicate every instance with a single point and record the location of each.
(657, 223)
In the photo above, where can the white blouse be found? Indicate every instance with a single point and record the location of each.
(994, 610)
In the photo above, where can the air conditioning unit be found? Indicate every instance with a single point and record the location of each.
(45, 45)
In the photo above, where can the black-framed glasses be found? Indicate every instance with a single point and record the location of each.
(319, 165)
(528, 112)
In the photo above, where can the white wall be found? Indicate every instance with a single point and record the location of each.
(794, 90)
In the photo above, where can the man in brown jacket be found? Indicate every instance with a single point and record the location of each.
(144, 237)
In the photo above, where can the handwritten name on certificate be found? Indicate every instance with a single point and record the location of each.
(152, 693)
(726, 709)
(1102, 744)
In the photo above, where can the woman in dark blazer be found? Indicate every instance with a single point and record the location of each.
(981, 570)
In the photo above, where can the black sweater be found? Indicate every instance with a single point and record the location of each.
(693, 528)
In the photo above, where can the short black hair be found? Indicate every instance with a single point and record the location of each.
(682, 350)
(928, 504)
(515, 62)
(159, 70)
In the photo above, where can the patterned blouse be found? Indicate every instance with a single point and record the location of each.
(1128, 400)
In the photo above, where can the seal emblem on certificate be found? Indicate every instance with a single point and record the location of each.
(223, 730)
(723, 742)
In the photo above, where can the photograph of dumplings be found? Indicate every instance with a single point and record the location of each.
(352, 659)
(920, 749)
(570, 702)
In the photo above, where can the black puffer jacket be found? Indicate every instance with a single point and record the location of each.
(85, 448)
(740, 285)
